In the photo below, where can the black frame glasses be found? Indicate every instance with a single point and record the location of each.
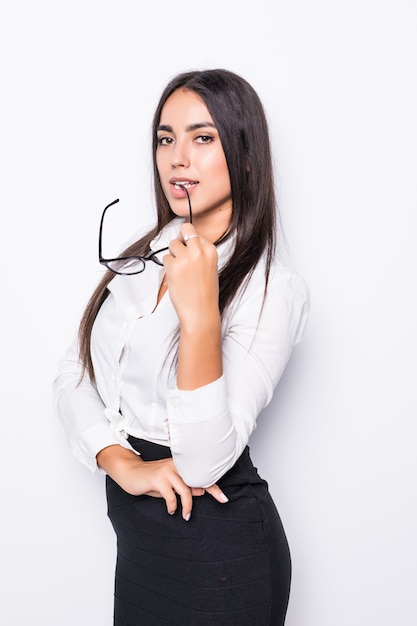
(129, 265)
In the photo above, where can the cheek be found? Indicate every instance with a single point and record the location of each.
(222, 174)
(162, 159)
(217, 164)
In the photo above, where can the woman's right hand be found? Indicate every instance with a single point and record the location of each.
(159, 479)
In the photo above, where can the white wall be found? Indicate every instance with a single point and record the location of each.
(79, 82)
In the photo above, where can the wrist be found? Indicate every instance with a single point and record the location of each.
(112, 458)
(195, 324)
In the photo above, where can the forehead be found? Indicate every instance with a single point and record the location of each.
(184, 107)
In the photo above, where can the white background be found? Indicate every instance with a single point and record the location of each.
(79, 82)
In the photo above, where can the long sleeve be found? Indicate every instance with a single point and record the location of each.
(209, 427)
(90, 426)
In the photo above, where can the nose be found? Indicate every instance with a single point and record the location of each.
(179, 155)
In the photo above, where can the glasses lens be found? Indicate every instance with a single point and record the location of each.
(132, 265)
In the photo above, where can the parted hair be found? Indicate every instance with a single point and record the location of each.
(240, 119)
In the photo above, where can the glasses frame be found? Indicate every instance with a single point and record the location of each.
(149, 257)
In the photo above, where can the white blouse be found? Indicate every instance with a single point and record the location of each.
(135, 391)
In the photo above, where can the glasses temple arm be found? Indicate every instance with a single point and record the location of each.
(189, 203)
(101, 227)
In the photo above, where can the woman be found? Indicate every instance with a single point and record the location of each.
(178, 351)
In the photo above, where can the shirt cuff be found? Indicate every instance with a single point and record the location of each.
(97, 438)
(197, 405)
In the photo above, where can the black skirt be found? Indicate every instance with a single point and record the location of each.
(228, 566)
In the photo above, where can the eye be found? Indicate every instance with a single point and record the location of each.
(164, 141)
(204, 139)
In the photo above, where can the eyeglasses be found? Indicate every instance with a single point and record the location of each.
(129, 265)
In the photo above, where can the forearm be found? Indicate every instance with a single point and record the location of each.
(200, 352)
(123, 466)
(113, 459)
(192, 275)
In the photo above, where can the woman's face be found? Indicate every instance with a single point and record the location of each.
(189, 152)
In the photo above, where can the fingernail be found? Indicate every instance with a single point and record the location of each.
(224, 498)
(187, 517)
(171, 512)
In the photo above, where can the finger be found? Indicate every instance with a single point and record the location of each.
(170, 499)
(197, 491)
(176, 246)
(188, 234)
(186, 502)
(188, 238)
(217, 494)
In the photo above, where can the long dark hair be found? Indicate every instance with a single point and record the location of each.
(243, 130)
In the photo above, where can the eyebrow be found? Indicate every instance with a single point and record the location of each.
(188, 128)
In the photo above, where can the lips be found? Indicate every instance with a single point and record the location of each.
(177, 187)
(182, 182)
